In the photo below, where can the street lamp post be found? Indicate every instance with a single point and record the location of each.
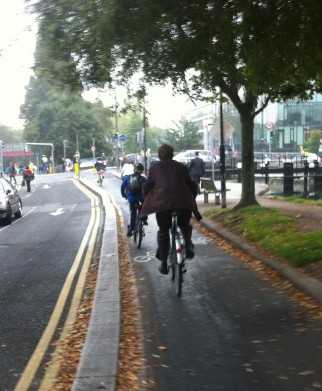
(222, 157)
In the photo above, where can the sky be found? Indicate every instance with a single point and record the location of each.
(17, 46)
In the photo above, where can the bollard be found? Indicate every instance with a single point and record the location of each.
(288, 179)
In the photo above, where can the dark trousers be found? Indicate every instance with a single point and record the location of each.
(133, 210)
(131, 222)
(196, 179)
(28, 186)
(164, 223)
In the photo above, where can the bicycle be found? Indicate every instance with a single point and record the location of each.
(138, 231)
(177, 254)
(100, 174)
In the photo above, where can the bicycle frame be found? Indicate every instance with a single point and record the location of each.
(176, 254)
(177, 239)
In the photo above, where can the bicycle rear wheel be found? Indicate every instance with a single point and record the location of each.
(139, 233)
(178, 278)
(135, 232)
(172, 259)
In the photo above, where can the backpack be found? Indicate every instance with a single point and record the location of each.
(135, 184)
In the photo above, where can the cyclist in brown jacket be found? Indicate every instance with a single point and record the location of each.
(170, 188)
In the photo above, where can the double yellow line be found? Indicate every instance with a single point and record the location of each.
(44, 342)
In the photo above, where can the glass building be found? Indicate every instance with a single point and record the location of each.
(296, 122)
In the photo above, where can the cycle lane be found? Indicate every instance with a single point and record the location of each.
(231, 329)
(217, 333)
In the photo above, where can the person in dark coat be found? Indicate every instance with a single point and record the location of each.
(170, 188)
(28, 176)
(197, 169)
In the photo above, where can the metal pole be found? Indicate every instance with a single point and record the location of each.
(64, 145)
(117, 132)
(144, 140)
(94, 148)
(52, 159)
(77, 156)
(222, 157)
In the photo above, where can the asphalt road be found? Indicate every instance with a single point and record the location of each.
(37, 253)
(230, 330)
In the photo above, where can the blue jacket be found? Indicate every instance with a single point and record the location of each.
(126, 193)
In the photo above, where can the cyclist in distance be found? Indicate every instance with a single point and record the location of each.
(169, 188)
(99, 165)
(131, 189)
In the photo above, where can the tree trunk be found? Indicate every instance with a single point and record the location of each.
(248, 180)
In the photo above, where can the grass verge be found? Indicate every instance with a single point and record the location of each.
(273, 231)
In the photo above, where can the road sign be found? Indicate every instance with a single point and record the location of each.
(269, 125)
(93, 148)
(122, 137)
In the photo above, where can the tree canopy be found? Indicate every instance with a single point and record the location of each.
(53, 116)
(246, 49)
(184, 136)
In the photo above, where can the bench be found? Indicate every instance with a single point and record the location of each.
(209, 187)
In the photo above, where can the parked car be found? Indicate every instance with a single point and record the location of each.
(185, 157)
(10, 202)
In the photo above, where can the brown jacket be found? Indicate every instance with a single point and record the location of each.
(169, 187)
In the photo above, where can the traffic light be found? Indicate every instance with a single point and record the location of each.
(272, 136)
(2, 144)
(116, 136)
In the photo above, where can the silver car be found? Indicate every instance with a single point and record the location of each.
(10, 202)
(185, 157)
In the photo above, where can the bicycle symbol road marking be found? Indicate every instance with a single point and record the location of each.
(149, 255)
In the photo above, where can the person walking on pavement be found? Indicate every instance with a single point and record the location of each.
(169, 188)
(28, 176)
(127, 169)
(197, 169)
(12, 172)
(131, 189)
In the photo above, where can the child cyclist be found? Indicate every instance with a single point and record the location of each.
(131, 189)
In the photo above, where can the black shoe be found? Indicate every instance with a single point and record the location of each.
(129, 233)
(189, 253)
(163, 269)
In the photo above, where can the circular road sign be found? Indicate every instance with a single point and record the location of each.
(122, 137)
(269, 125)
(93, 148)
